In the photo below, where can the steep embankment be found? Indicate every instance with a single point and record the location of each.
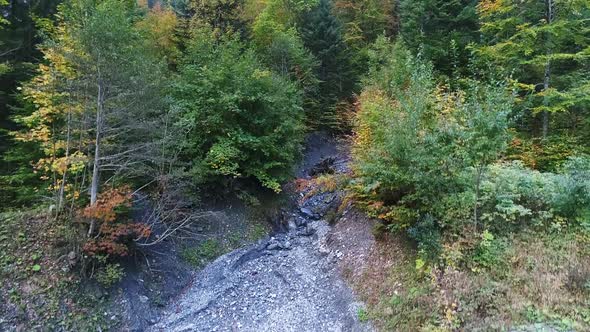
(288, 282)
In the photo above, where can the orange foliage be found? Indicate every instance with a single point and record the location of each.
(114, 235)
(114, 238)
(104, 208)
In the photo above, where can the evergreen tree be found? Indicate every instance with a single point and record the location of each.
(322, 34)
(546, 46)
(363, 21)
(440, 30)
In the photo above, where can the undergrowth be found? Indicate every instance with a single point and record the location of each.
(39, 283)
(527, 279)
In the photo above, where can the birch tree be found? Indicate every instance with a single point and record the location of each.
(103, 85)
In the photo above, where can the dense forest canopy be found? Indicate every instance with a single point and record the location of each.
(469, 120)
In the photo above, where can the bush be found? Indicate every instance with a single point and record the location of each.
(573, 199)
(110, 274)
(427, 234)
(421, 149)
(488, 253)
(116, 233)
(513, 195)
(241, 121)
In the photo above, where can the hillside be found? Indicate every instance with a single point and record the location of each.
(295, 165)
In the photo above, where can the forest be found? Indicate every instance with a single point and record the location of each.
(467, 124)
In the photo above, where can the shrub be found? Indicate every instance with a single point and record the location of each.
(427, 234)
(241, 120)
(110, 274)
(573, 199)
(488, 253)
(513, 195)
(116, 233)
(420, 149)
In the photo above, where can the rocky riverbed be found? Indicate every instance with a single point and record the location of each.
(287, 282)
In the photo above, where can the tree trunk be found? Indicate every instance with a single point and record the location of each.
(547, 76)
(96, 166)
(545, 115)
(62, 186)
(477, 186)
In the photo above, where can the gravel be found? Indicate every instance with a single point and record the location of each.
(288, 282)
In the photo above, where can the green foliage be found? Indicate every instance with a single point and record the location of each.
(363, 21)
(513, 195)
(240, 120)
(110, 274)
(440, 30)
(205, 252)
(19, 34)
(280, 47)
(322, 33)
(489, 250)
(221, 16)
(544, 45)
(428, 236)
(362, 315)
(573, 198)
(418, 147)
(97, 100)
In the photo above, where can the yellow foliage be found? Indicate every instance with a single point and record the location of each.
(159, 25)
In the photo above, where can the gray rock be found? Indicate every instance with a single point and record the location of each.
(258, 289)
(143, 299)
(306, 212)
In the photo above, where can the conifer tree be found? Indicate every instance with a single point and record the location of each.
(440, 30)
(322, 34)
(546, 46)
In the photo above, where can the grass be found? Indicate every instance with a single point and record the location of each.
(536, 279)
(208, 250)
(363, 315)
(203, 253)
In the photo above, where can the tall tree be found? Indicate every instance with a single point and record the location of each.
(98, 99)
(241, 121)
(322, 35)
(221, 15)
(546, 45)
(440, 30)
(363, 21)
(280, 46)
(19, 34)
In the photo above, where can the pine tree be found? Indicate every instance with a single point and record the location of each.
(546, 45)
(433, 26)
(322, 34)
